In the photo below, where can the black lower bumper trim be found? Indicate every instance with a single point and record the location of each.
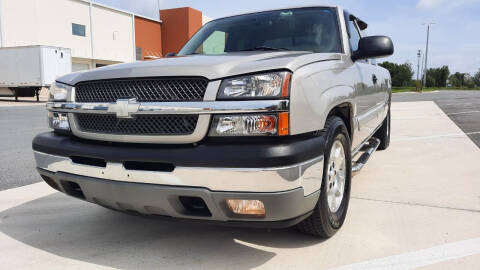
(213, 154)
(238, 224)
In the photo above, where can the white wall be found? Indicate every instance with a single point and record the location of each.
(113, 35)
(49, 22)
(205, 19)
(1, 23)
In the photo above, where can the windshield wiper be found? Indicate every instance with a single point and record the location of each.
(264, 48)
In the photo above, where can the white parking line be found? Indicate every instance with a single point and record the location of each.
(459, 104)
(421, 258)
(469, 112)
(16, 196)
(436, 136)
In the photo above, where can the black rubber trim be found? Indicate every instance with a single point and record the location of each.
(236, 224)
(242, 154)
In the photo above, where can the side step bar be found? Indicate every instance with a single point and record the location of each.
(368, 149)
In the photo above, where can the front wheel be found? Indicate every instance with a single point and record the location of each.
(331, 209)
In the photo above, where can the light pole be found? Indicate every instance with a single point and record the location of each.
(419, 55)
(426, 54)
(417, 83)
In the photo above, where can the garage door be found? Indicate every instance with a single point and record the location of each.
(79, 67)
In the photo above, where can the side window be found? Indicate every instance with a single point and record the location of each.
(215, 43)
(354, 35)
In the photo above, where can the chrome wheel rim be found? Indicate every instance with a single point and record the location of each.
(336, 174)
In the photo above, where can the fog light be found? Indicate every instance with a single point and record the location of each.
(247, 207)
(58, 121)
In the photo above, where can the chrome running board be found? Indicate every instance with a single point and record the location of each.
(367, 151)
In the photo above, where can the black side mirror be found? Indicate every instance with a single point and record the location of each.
(170, 54)
(373, 47)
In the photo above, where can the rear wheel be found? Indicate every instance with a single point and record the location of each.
(331, 209)
(383, 134)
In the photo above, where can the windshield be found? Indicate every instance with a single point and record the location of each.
(303, 29)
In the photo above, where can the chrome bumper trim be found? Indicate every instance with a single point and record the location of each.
(168, 108)
(307, 174)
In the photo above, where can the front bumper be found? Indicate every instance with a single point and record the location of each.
(287, 176)
(282, 208)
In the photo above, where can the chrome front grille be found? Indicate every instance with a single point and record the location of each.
(141, 125)
(143, 89)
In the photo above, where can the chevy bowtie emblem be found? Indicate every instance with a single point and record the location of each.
(124, 108)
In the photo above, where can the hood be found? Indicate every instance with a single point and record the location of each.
(212, 67)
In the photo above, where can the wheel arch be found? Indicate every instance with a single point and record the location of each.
(346, 112)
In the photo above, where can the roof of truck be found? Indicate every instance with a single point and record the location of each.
(279, 8)
(362, 24)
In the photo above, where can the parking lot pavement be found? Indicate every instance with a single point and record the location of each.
(19, 123)
(463, 107)
(415, 205)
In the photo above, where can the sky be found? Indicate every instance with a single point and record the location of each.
(454, 39)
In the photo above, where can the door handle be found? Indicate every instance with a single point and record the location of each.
(374, 79)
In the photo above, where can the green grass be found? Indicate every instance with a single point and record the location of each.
(429, 89)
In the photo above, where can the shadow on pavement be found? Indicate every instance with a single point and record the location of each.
(20, 100)
(78, 230)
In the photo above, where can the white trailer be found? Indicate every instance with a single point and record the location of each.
(25, 70)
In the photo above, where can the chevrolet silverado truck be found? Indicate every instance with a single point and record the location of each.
(259, 120)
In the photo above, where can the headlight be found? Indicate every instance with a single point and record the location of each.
(250, 125)
(58, 92)
(259, 86)
(58, 121)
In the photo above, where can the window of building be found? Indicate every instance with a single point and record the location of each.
(78, 29)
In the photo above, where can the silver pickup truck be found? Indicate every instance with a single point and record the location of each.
(259, 120)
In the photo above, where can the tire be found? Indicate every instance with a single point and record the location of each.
(324, 222)
(383, 134)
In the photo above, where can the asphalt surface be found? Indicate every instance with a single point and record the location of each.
(463, 107)
(18, 126)
(19, 123)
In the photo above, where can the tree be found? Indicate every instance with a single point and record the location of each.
(457, 79)
(469, 81)
(437, 77)
(454, 82)
(476, 78)
(401, 74)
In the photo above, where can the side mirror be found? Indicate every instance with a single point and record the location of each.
(170, 54)
(373, 47)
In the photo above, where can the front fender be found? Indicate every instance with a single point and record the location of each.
(314, 96)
